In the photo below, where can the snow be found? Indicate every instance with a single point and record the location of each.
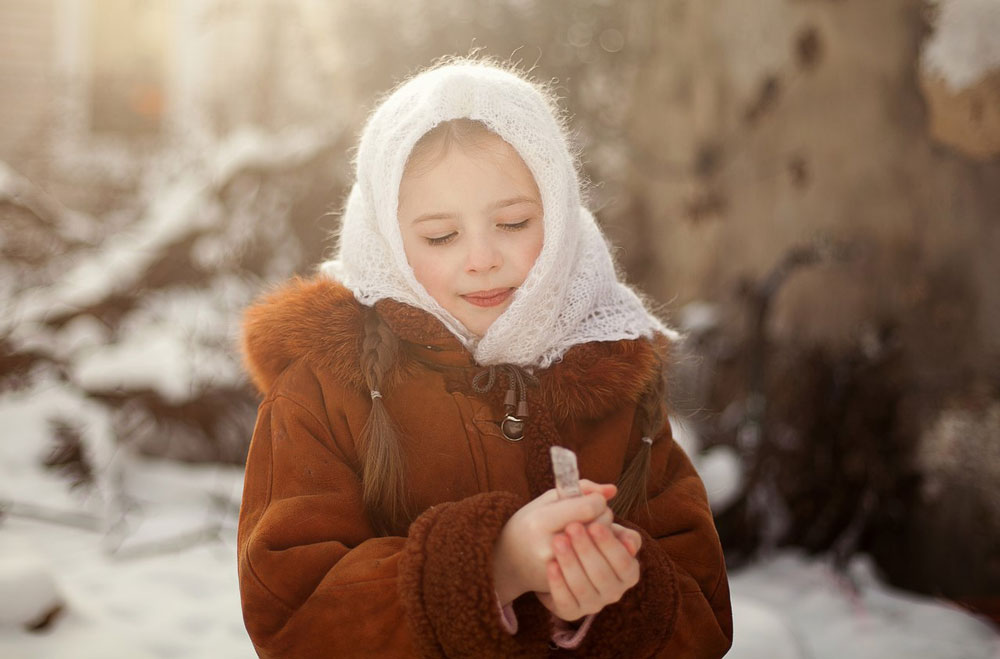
(27, 587)
(761, 631)
(823, 613)
(179, 604)
(177, 342)
(719, 467)
(71, 224)
(699, 317)
(181, 209)
(152, 359)
(25, 430)
(160, 581)
(964, 46)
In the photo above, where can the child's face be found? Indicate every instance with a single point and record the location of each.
(471, 222)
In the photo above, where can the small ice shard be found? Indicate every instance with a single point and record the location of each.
(565, 470)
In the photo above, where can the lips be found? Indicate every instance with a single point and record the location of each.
(490, 298)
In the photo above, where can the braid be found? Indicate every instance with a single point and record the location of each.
(634, 481)
(378, 350)
(382, 454)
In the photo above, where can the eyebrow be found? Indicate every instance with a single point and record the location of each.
(513, 201)
(495, 206)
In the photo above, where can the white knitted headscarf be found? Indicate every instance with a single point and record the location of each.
(571, 295)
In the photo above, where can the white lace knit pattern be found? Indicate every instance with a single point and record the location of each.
(571, 295)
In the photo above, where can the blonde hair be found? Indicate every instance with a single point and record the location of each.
(435, 143)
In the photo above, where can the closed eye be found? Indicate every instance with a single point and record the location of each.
(516, 226)
(442, 240)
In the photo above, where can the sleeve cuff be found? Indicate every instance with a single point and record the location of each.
(446, 588)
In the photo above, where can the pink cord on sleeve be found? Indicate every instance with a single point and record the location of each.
(565, 636)
(508, 619)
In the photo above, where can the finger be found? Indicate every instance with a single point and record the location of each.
(562, 600)
(607, 490)
(573, 573)
(625, 534)
(618, 558)
(606, 518)
(555, 516)
(629, 537)
(599, 571)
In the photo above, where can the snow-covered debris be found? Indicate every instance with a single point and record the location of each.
(252, 148)
(20, 191)
(167, 589)
(699, 317)
(180, 208)
(125, 257)
(721, 469)
(28, 591)
(964, 45)
(178, 343)
(148, 359)
(26, 419)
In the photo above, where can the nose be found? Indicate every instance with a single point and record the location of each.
(483, 255)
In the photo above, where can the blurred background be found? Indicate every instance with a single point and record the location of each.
(809, 188)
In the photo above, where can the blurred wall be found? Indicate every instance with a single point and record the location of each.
(27, 48)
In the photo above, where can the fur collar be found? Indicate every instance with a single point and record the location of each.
(320, 321)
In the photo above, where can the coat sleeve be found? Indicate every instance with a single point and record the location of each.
(681, 606)
(315, 582)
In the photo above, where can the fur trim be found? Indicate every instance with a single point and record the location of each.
(317, 320)
(320, 321)
(451, 607)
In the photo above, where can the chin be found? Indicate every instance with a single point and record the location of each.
(479, 329)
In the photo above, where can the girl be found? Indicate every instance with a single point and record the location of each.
(398, 499)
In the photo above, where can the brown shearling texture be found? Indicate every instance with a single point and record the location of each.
(315, 320)
(442, 587)
(316, 581)
(319, 320)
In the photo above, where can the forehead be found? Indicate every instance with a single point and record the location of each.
(485, 166)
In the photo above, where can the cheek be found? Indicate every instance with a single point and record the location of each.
(530, 250)
(431, 270)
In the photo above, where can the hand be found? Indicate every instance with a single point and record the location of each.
(525, 543)
(593, 567)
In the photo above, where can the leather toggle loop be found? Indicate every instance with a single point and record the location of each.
(516, 398)
(512, 428)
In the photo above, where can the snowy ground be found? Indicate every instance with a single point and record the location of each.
(162, 581)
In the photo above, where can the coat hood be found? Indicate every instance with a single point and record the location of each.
(320, 321)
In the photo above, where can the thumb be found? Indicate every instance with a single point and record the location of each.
(584, 509)
(607, 490)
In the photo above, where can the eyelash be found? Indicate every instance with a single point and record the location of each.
(444, 240)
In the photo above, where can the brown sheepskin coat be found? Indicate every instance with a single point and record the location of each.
(316, 581)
